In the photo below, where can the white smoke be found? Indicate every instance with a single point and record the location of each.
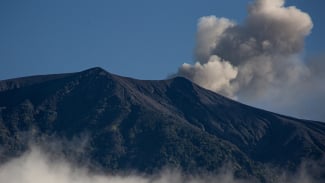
(256, 61)
(35, 166)
(201, 73)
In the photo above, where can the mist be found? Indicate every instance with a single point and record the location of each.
(261, 60)
(36, 166)
(39, 166)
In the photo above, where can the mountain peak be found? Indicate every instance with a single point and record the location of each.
(146, 125)
(95, 70)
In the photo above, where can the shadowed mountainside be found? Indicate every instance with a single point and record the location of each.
(127, 124)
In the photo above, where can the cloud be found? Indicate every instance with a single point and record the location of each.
(214, 68)
(210, 29)
(258, 60)
(36, 166)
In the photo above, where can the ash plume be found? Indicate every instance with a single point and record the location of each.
(259, 60)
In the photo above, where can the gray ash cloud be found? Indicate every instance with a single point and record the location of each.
(259, 61)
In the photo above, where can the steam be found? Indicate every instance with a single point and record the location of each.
(257, 61)
(202, 74)
(35, 166)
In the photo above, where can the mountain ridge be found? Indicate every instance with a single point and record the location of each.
(146, 125)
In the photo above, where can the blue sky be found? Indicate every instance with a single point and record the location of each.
(145, 39)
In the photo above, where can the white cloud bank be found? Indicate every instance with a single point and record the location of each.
(259, 61)
(35, 166)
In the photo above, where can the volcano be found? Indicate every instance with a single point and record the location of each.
(116, 123)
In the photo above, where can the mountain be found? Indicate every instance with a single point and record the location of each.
(116, 124)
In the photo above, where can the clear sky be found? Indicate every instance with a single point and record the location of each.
(145, 39)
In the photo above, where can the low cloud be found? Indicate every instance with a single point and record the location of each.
(35, 166)
(39, 166)
(259, 61)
